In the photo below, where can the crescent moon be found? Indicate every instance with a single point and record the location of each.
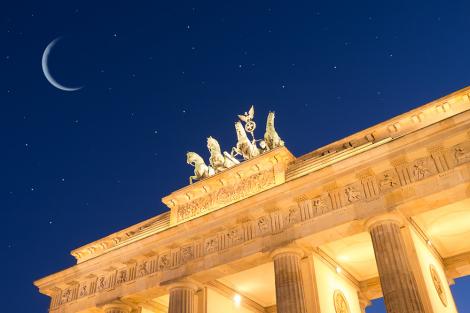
(47, 73)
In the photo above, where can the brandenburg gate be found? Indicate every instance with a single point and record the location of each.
(382, 213)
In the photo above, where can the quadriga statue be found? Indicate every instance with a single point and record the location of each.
(218, 160)
(271, 138)
(245, 147)
(201, 170)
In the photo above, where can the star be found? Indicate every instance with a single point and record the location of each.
(115, 35)
(155, 131)
(283, 86)
(50, 222)
(32, 189)
(62, 179)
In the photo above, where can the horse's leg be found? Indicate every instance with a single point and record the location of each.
(237, 152)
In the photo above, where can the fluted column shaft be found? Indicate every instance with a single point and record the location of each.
(399, 287)
(182, 299)
(289, 283)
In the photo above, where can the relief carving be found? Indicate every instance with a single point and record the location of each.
(226, 195)
(421, 168)
(235, 236)
(340, 302)
(293, 216)
(461, 154)
(187, 253)
(66, 296)
(320, 205)
(143, 269)
(263, 224)
(101, 283)
(164, 262)
(122, 277)
(211, 245)
(388, 180)
(352, 194)
(83, 291)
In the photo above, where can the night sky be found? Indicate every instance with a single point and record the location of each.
(159, 77)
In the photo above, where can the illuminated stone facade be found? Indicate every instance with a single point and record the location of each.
(381, 213)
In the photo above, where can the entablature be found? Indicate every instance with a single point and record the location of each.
(427, 162)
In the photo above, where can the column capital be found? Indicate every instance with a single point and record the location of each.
(289, 249)
(116, 306)
(184, 284)
(394, 218)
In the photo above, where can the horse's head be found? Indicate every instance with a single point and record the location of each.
(193, 158)
(241, 134)
(213, 145)
(270, 120)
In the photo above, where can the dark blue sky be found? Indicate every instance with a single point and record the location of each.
(159, 77)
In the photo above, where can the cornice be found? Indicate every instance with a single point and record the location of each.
(286, 206)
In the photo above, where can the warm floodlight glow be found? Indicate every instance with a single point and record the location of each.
(237, 299)
(338, 269)
(429, 242)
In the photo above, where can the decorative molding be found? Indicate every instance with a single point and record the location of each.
(436, 111)
(340, 302)
(237, 183)
(268, 224)
(438, 284)
(123, 237)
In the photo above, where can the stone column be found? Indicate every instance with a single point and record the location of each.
(116, 307)
(289, 283)
(398, 284)
(182, 298)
